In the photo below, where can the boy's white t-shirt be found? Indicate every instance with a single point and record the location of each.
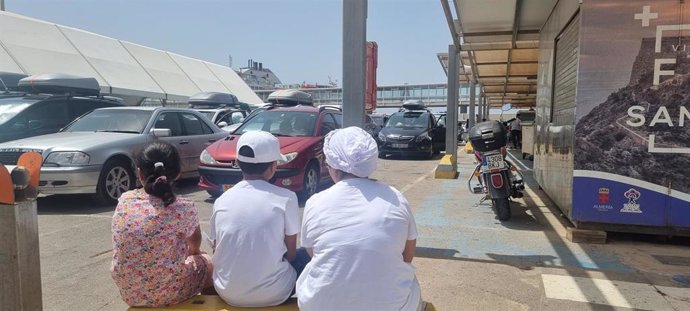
(249, 225)
(358, 229)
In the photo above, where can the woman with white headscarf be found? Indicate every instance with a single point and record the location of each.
(361, 235)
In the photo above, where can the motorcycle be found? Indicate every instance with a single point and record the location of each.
(498, 179)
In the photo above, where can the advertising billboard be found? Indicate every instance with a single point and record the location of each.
(632, 134)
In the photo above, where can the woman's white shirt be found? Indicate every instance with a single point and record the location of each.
(358, 229)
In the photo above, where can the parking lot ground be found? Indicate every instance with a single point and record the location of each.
(466, 259)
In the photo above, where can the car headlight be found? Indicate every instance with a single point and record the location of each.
(289, 157)
(206, 158)
(68, 158)
(422, 137)
(382, 137)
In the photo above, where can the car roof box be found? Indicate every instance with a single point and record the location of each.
(9, 80)
(59, 83)
(414, 104)
(290, 98)
(213, 99)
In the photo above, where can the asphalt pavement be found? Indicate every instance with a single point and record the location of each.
(466, 259)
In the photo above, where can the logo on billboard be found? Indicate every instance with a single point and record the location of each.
(603, 195)
(632, 206)
(603, 198)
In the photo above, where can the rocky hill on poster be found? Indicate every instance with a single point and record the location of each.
(606, 141)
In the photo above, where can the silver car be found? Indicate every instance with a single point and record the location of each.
(94, 153)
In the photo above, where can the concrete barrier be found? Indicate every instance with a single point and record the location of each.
(447, 168)
(469, 148)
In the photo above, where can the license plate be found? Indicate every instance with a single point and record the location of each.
(226, 187)
(494, 161)
(399, 145)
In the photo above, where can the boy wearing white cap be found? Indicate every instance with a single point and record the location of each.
(361, 235)
(254, 227)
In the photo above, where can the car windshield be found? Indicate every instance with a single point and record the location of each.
(409, 119)
(11, 106)
(208, 114)
(281, 123)
(255, 112)
(112, 120)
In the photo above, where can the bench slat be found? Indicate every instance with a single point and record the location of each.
(214, 303)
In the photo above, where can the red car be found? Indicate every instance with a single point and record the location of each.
(300, 130)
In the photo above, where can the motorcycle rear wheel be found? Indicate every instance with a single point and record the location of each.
(502, 209)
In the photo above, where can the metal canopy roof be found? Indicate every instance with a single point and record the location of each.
(498, 42)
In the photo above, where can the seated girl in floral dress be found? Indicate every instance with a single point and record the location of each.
(157, 259)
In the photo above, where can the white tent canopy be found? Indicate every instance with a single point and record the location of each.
(124, 69)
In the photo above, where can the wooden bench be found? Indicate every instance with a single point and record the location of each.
(214, 303)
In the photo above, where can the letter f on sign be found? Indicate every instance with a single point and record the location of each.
(657, 69)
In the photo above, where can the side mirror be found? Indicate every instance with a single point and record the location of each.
(161, 132)
(222, 124)
(506, 107)
(35, 124)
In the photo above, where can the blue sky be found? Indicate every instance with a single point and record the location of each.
(300, 40)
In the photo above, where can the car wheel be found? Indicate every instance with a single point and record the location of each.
(311, 181)
(115, 179)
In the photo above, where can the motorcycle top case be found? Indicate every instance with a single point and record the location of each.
(488, 135)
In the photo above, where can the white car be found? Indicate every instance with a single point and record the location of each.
(223, 109)
(224, 117)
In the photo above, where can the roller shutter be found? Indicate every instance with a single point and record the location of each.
(565, 78)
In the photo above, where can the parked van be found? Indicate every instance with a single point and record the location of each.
(43, 104)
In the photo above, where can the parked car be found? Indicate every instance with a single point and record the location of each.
(43, 104)
(223, 109)
(93, 154)
(379, 119)
(300, 130)
(231, 128)
(413, 130)
(287, 97)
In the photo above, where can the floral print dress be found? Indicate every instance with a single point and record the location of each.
(151, 266)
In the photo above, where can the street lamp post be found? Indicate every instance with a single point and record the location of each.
(354, 61)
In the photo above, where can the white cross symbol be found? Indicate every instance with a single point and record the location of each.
(645, 16)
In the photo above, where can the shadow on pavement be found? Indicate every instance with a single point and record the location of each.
(436, 157)
(78, 204)
(527, 262)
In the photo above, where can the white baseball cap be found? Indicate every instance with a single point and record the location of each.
(265, 146)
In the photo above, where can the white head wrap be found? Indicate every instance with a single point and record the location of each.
(351, 150)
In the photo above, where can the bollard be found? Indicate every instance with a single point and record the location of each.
(20, 266)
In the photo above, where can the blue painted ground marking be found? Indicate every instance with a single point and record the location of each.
(450, 225)
(682, 279)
